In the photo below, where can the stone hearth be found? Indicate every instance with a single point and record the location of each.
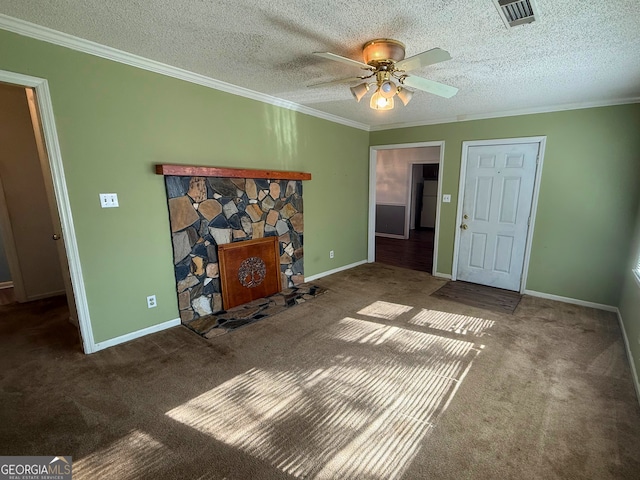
(205, 212)
(225, 321)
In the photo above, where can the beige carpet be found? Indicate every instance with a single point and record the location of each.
(374, 379)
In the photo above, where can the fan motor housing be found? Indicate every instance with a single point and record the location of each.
(383, 50)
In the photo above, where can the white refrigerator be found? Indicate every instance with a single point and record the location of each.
(429, 203)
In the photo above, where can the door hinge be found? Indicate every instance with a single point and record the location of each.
(529, 222)
(538, 159)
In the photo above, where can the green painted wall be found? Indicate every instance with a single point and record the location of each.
(630, 302)
(115, 122)
(589, 193)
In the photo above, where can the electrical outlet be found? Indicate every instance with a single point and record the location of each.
(109, 200)
(330, 253)
(151, 301)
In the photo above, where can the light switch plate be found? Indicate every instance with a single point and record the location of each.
(446, 198)
(109, 200)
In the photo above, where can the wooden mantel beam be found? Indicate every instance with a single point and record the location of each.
(195, 171)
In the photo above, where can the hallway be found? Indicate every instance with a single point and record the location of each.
(416, 253)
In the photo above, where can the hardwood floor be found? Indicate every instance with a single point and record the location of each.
(6, 296)
(416, 253)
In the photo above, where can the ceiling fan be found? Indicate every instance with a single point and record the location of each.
(384, 60)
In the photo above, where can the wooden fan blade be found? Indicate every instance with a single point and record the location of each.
(338, 58)
(430, 86)
(435, 55)
(334, 82)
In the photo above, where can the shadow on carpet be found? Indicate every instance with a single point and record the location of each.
(481, 296)
(222, 322)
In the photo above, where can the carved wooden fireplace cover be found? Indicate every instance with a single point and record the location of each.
(249, 270)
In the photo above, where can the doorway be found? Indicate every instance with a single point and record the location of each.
(25, 219)
(499, 183)
(31, 280)
(405, 185)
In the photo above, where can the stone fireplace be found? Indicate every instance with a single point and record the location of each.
(210, 206)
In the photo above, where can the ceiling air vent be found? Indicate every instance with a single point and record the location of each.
(516, 12)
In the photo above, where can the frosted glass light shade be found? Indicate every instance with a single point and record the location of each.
(382, 49)
(388, 89)
(404, 95)
(360, 91)
(378, 102)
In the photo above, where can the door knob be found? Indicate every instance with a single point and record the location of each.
(464, 226)
(55, 236)
(465, 216)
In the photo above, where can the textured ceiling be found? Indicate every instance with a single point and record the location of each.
(578, 52)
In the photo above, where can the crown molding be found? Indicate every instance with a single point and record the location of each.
(45, 34)
(509, 113)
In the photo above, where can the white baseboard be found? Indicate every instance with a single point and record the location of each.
(41, 296)
(632, 364)
(446, 276)
(137, 334)
(4, 285)
(335, 270)
(573, 301)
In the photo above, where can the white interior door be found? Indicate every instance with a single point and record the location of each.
(496, 208)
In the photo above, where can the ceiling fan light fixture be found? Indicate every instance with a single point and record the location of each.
(404, 95)
(386, 67)
(378, 102)
(360, 90)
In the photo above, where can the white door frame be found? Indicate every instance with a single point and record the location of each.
(541, 141)
(50, 134)
(373, 158)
